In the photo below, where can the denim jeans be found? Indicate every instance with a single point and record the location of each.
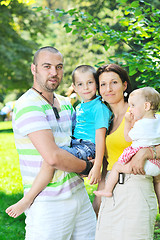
(81, 149)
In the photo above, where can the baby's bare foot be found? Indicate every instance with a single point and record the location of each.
(103, 193)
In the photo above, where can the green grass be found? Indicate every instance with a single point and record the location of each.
(11, 189)
(10, 185)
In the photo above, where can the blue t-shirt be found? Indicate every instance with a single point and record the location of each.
(91, 116)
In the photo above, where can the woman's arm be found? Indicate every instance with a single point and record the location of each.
(141, 156)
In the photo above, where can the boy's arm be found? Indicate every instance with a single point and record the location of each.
(95, 173)
(129, 122)
(101, 185)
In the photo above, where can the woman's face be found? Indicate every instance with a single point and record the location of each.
(111, 87)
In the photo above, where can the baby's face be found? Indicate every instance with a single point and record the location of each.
(85, 85)
(137, 106)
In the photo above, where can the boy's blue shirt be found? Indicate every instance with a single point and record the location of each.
(91, 116)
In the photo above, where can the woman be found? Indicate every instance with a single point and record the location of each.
(130, 214)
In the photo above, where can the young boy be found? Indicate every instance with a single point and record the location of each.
(92, 120)
(142, 127)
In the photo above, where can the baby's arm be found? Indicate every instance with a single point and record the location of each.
(43, 178)
(129, 122)
(95, 173)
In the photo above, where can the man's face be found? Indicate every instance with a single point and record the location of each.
(48, 71)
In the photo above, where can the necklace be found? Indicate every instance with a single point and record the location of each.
(55, 110)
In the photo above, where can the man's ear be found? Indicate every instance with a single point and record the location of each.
(147, 106)
(33, 69)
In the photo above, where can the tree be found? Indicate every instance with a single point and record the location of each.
(20, 27)
(138, 34)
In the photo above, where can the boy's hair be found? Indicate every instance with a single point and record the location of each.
(47, 48)
(151, 96)
(83, 69)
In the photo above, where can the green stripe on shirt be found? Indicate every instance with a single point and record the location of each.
(28, 152)
(55, 184)
(28, 109)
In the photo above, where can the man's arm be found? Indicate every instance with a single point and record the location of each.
(58, 158)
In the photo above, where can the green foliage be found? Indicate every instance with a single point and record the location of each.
(138, 33)
(19, 29)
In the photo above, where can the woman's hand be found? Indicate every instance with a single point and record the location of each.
(138, 161)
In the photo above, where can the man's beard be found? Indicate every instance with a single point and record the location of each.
(51, 88)
(48, 87)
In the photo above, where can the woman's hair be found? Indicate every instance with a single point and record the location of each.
(150, 95)
(122, 74)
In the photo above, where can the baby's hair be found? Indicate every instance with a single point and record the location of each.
(47, 48)
(151, 95)
(83, 69)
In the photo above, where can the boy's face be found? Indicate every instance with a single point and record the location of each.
(85, 85)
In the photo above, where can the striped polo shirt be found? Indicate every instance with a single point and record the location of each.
(33, 113)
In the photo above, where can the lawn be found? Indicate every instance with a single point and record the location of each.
(11, 187)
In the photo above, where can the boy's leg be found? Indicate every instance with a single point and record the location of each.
(77, 148)
(43, 178)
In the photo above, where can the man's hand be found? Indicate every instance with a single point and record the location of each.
(91, 160)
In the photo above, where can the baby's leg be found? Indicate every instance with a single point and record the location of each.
(113, 179)
(43, 178)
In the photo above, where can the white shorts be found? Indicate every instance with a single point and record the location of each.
(70, 219)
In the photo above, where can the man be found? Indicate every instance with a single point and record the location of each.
(42, 124)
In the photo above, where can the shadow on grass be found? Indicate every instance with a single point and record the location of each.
(10, 130)
(10, 228)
